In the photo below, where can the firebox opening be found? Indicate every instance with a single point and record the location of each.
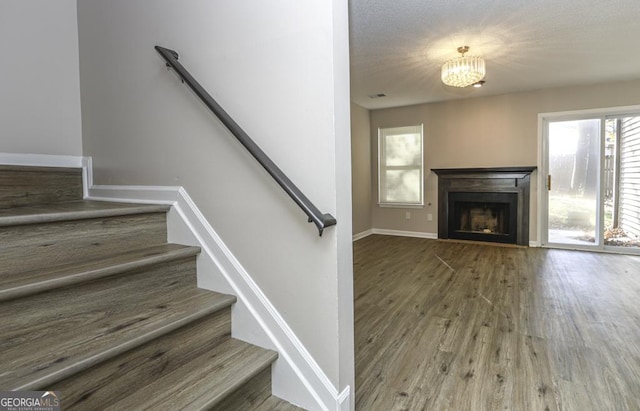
(483, 216)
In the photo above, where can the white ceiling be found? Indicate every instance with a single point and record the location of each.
(398, 47)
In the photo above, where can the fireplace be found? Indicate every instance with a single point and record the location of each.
(488, 204)
(483, 216)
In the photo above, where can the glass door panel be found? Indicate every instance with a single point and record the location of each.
(622, 183)
(574, 168)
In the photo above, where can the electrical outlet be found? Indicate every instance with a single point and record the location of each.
(429, 217)
(407, 215)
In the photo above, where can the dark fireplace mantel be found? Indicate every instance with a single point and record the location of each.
(476, 185)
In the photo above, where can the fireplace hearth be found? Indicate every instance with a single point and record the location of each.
(484, 204)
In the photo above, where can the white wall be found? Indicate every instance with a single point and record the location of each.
(361, 169)
(280, 68)
(39, 80)
(344, 232)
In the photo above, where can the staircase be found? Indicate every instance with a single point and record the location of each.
(96, 305)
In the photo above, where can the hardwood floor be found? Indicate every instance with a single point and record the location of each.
(454, 326)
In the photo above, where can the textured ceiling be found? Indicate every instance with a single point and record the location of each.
(398, 47)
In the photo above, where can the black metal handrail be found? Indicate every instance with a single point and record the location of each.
(318, 218)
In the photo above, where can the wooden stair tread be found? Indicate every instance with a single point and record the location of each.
(276, 404)
(34, 359)
(73, 210)
(204, 381)
(22, 284)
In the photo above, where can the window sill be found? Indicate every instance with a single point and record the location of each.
(385, 205)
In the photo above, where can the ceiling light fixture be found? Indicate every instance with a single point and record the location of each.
(463, 71)
(478, 84)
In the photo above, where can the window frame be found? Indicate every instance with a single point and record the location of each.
(383, 168)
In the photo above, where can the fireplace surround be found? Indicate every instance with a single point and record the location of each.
(484, 204)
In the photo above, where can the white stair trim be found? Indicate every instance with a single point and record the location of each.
(40, 160)
(294, 359)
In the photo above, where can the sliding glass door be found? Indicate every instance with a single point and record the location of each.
(572, 182)
(591, 181)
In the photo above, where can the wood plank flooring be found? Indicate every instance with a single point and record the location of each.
(454, 326)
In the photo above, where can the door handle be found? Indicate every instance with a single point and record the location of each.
(549, 182)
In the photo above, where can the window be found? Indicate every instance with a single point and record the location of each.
(400, 166)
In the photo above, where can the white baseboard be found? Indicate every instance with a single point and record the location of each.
(362, 235)
(399, 233)
(41, 160)
(296, 376)
(344, 399)
(534, 243)
(418, 234)
(136, 194)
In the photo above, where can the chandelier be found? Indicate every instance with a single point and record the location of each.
(463, 71)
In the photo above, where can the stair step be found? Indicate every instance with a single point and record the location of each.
(23, 186)
(249, 394)
(50, 336)
(73, 210)
(207, 381)
(22, 284)
(98, 387)
(276, 404)
(72, 232)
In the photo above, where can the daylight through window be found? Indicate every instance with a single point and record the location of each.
(400, 166)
